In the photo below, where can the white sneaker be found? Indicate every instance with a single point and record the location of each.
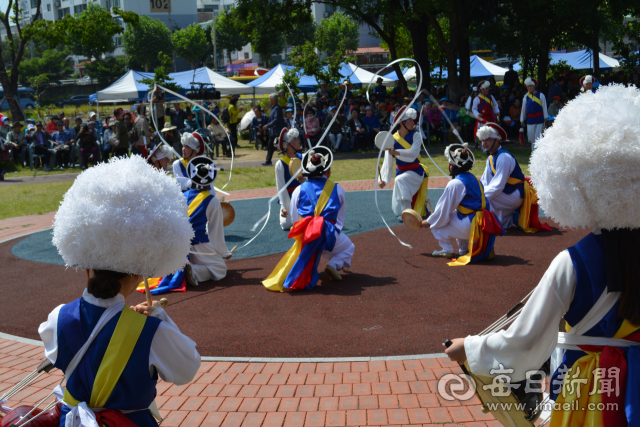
(442, 254)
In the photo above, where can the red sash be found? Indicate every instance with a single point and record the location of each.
(409, 167)
(531, 116)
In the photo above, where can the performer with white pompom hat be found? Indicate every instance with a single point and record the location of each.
(534, 112)
(586, 84)
(289, 143)
(586, 173)
(317, 210)
(411, 177)
(513, 199)
(192, 146)
(113, 354)
(463, 212)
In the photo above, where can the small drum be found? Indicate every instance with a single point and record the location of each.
(295, 165)
(228, 213)
(380, 137)
(412, 219)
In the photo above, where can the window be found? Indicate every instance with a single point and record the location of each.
(108, 4)
(48, 7)
(34, 3)
(116, 3)
(118, 41)
(210, 8)
(79, 9)
(63, 12)
(246, 55)
(227, 7)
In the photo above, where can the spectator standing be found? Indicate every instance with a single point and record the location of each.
(555, 89)
(88, 145)
(257, 124)
(534, 112)
(18, 143)
(142, 127)
(380, 91)
(323, 93)
(177, 116)
(124, 134)
(52, 126)
(62, 141)
(335, 131)
(347, 89)
(313, 126)
(233, 121)
(372, 126)
(158, 106)
(510, 78)
(434, 118)
(108, 133)
(275, 126)
(357, 131)
(282, 100)
(396, 92)
(40, 144)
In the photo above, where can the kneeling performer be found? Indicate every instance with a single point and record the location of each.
(412, 178)
(111, 354)
(463, 213)
(289, 144)
(317, 210)
(506, 186)
(192, 146)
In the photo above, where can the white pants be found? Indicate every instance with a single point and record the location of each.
(335, 140)
(406, 185)
(285, 222)
(342, 252)
(457, 229)
(533, 133)
(207, 267)
(503, 205)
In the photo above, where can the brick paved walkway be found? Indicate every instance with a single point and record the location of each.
(379, 392)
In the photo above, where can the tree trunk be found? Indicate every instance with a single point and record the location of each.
(417, 29)
(451, 50)
(11, 95)
(146, 66)
(595, 54)
(543, 67)
(464, 14)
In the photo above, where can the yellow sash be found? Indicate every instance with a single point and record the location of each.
(420, 204)
(475, 233)
(197, 201)
(185, 163)
(488, 100)
(123, 341)
(286, 159)
(279, 274)
(534, 99)
(575, 385)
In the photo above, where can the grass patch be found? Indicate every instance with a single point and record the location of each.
(30, 199)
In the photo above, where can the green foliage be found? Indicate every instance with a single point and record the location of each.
(336, 30)
(144, 42)
(267, 42)
(301, 33)
(403, 42)
(228, 35)
(558, 68)
(52, 63)
(107, 71)
(161, 75)
(190, 43)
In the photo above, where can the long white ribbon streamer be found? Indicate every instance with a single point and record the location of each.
(304, 121)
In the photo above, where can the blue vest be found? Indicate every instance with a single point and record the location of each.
(400, 164)
(310, 193)
(516, 173)
(534, 108)
(198, 218)
(287, 176)
(135, 389)
(473, 195)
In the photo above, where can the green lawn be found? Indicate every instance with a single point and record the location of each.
(28, 199)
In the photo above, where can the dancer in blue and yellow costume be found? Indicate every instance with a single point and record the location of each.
(289, 144)
(208, 248)
(112, 354)
(595, 284)
(463, 213)
(411, 185)
(317, 209)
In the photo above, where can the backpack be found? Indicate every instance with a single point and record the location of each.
(224, 116)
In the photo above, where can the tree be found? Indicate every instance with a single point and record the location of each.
(267, 42)
(161, 75)
(190, 43)
(228, 35)
(301, 33)
(91, 33)
(336, 30)
(51, 63)
(109, 70)
(144, 42)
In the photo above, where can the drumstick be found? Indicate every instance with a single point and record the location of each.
(430, 208)
(234, 248)
(147, 292)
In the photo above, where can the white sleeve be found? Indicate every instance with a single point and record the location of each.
(172, 354)
(451, 197)
(496, 109)
(467, 104)
(293, 210)
(531, 339)
(341, 212)
(476, 102)
(185, 183)
(523, 111)
(409, 155)
(504, 166)
(485, 175)
(215, 227)
(49, 335)
(543, 99)
(280, 182)
(386, 172)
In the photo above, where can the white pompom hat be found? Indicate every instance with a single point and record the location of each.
(585, 167)
(124, 216)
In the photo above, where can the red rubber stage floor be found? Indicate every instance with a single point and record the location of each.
(393, 301)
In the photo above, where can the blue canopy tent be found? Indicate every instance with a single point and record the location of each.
(267, 82)
(478, 68)
(125, 88)
(580, 60)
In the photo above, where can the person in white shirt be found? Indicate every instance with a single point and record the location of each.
(534, 112)
(484, 107)
(81, 338)
(192, 146)
(593, 285)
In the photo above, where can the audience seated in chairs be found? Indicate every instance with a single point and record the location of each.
(62, 145)
(257, 124)
(40, 145)
(454, 118)
(88, 145)
(434, 118)
(313, 126)
(372, 127)
(17, 143)
(358, 131)
(219, 137)
(335, 131)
